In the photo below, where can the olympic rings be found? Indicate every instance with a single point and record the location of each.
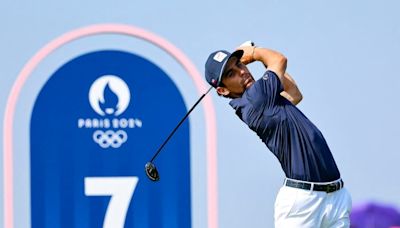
(110, 138)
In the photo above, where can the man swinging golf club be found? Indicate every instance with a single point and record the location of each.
(312, 194)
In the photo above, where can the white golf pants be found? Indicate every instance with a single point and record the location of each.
(298, 208)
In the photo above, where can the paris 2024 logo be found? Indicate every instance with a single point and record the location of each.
(109, 96)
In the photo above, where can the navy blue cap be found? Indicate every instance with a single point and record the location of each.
(216, 63)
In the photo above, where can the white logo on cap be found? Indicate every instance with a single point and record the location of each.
(219, 56)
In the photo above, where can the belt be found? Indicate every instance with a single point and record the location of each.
(328, 188)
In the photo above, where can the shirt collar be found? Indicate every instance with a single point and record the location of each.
(235, 103)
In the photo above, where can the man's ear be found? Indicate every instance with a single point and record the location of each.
(222, 91)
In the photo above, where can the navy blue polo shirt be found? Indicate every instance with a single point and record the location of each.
(297, 143)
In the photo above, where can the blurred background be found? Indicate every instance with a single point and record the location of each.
(342, 54)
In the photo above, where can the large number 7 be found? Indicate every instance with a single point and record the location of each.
(120, 189)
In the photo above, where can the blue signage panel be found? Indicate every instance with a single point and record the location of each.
(96, 122)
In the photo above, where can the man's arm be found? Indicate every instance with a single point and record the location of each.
(291, 91)
(277, 63)
(271, 59)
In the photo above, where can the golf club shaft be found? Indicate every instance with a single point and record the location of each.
(179, 124)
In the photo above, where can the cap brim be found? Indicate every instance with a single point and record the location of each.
(238, 54)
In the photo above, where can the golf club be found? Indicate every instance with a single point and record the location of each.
(150, 168)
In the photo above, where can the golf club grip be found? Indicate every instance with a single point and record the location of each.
(179, 124)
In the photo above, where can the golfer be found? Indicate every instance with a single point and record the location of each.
(313, 193)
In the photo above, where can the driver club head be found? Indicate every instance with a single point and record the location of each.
(151, 171)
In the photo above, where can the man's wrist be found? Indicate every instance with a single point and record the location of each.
(252, 54)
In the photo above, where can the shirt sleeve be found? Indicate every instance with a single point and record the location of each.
(266, 90)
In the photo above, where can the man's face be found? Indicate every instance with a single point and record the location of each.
(236, 78)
